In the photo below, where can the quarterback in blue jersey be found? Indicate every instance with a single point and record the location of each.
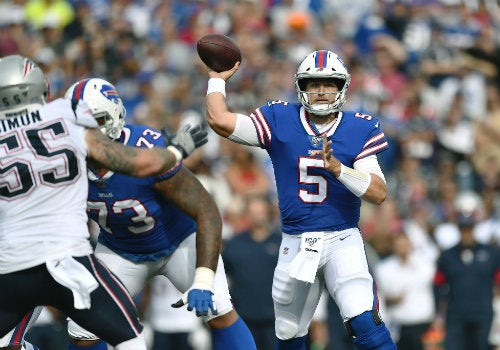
(161, 225)
(325, 162)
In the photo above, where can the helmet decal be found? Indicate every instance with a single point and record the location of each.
(79, 89)
(321, 59)
(342, 62)
(110, 93)
(105, 103)
(23, 83)
(29, 66)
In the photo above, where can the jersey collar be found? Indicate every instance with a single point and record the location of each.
(311, 129)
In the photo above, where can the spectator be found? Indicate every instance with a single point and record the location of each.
(470, 271)
(405, 280)
(57, 13)
(172, 329)
(244, 173)
(338, 338)
(250, 282)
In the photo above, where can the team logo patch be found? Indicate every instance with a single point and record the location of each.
(285, 251)
(315, 141)
(110, 93)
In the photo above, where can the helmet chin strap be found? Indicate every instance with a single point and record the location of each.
(323, 121)
(321, 110)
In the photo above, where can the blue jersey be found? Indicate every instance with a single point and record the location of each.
(310, 197)
(135, 221)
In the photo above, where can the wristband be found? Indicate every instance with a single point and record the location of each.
(356, 181)
(216, 85)
(177, 154)
(203, 279)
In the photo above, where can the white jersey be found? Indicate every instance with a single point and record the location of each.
(43, 184)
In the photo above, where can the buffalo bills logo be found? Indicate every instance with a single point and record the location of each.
(110, 93)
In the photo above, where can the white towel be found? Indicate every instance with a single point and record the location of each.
(74, 276)
(305, 264)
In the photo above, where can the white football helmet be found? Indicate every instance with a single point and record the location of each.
(469, 208)
(22, 83)
(104, 101)
(320, 65)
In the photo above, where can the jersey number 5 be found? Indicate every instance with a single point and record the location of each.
(306, 178)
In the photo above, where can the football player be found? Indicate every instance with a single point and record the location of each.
(160, 225)
(45, 254)
(325, 162)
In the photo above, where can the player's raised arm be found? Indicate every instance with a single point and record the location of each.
(140, 161)
(220, 119)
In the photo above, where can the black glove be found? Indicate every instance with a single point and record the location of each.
(187, 139)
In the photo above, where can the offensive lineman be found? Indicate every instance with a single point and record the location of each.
(167, 225)
(319, 199)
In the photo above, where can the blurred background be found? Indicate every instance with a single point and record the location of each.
(428, 69)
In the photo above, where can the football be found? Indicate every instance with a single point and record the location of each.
(218, 52)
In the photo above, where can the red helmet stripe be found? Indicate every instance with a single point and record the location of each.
(79, 89)
(321, 57)
(28, 67)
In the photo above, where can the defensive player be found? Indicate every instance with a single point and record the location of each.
(162, 225)
(45, 254)
(319, 199)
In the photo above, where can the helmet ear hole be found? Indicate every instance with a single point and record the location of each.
(302, 84)
(340, 83)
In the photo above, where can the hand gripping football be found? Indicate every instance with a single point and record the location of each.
(218, 52)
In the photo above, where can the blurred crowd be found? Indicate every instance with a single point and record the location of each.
(428, 69)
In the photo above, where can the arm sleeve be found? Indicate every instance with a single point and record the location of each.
(244, 131)
(369, 165)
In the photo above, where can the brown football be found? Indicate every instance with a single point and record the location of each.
(219, 52)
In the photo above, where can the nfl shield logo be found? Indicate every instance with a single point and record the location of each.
(315, 141)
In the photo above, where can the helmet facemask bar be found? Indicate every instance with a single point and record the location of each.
(322, 109)
(109, 126)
